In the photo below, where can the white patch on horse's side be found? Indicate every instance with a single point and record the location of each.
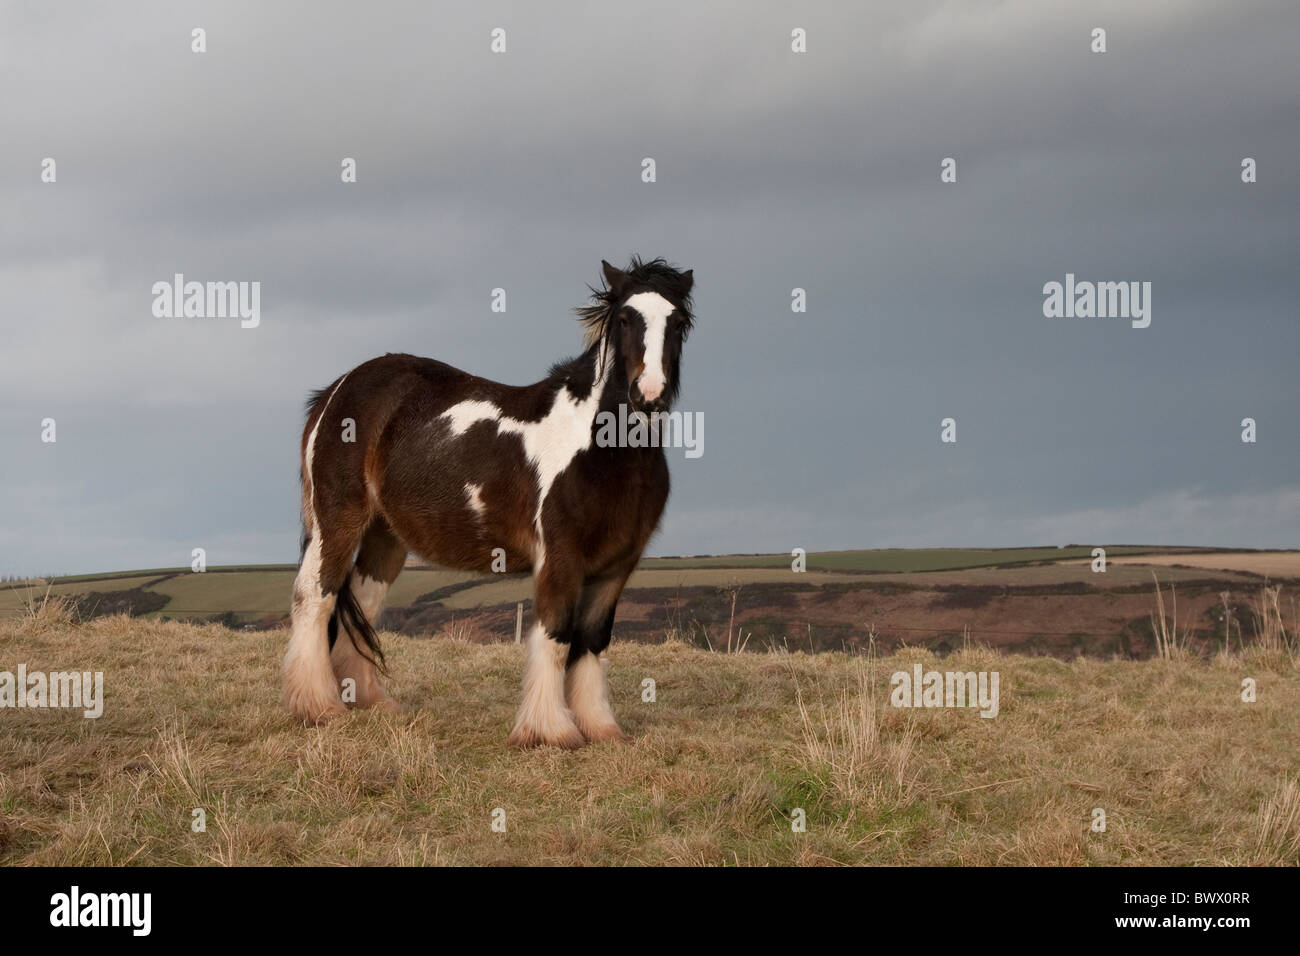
(655, 309)
(474, 495)
(464, 414)
(550, 444)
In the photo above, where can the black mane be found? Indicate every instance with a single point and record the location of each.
(577, 373)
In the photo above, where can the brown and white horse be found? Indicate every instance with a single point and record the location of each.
(409, 454)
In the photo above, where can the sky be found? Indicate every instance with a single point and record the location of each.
(774, 170)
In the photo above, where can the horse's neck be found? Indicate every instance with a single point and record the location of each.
(594, 374)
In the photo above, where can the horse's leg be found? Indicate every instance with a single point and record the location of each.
(586, 688)
(309, 684)
(543, 717)
(379, 562)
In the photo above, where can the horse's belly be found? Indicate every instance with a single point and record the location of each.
(463, 541)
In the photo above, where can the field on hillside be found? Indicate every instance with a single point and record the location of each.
(1277, 564)
(1025, 600)
(733, 749)
(892, 559)
(249, 592)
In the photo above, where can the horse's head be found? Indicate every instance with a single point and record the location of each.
(646, 314)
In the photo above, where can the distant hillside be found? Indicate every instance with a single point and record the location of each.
(1031, 600)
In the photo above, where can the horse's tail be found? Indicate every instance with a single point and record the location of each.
(348, 614)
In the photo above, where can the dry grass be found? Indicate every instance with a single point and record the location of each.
(44, 610)
(1274, 564)
(1278, 840)
(731, 747)
(854, 762)
(1170, 644)
(1275, 646)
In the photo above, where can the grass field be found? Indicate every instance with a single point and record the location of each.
(731, 748)
(250, 592)
(1278, 564)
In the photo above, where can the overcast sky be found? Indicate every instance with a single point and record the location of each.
(775, 170)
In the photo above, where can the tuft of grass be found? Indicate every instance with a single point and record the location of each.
(851, 758)
(1277, 842)
(1274, 646)
(48, 612)
(1170, 644)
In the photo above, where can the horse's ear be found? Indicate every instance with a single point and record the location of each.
(687, 282)
(615, 278)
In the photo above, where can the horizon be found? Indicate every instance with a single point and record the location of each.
(290, 565)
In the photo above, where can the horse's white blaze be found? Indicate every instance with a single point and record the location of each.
(550, 444)
(587, 694)
(655, 310)
(474, 496)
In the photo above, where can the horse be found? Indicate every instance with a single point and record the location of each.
(408, 454)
